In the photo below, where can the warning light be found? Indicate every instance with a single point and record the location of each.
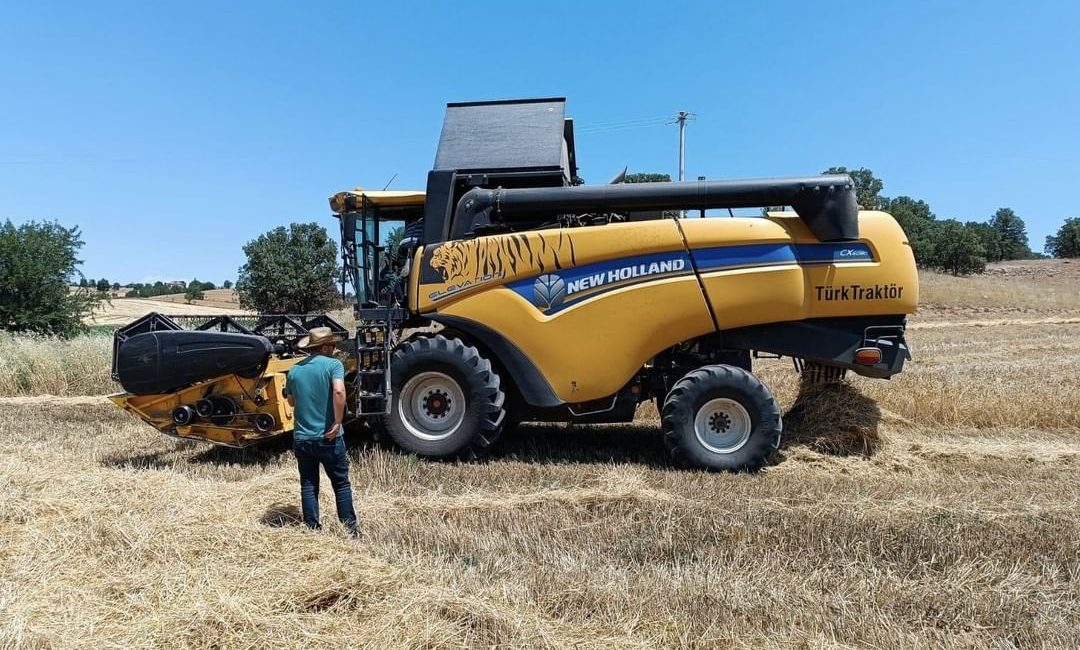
(868, 356)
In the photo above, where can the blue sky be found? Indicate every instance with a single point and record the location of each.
(172, 133)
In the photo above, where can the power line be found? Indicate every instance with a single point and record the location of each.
(620, 125)
(604, 123)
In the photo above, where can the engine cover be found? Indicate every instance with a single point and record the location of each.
(161, 362)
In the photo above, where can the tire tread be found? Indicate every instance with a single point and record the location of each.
(477, 369)
(678, 413)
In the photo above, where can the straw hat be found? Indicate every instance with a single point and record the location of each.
(317, 336)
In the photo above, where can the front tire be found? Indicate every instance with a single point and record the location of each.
(446, 399)
(721, 418)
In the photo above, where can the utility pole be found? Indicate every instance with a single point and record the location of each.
(681, 119)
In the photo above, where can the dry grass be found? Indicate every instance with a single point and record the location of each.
(941, 509)
(1010, 376)
(1022, 288)
(568, 537)
(33, 365)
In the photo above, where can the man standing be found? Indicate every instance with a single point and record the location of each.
(316, 390)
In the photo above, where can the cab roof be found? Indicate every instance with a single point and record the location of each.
(350, 200)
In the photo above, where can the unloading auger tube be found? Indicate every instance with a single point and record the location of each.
(826, 203)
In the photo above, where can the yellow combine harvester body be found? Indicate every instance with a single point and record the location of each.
(511, 291)
(642, 275)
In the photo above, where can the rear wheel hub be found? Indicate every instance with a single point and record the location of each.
(722, 425)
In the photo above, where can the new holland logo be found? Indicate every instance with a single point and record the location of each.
(549, 291)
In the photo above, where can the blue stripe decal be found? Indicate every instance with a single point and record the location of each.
(833, 253)
(725, 257)
(553, 292)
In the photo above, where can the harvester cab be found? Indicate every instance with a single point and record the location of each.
(511, 291)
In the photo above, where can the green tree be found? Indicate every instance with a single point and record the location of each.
(1066, 243)
(990, 239)
(290, 270)
(116, 286)
(867, 186)
(36, 262)
(227, 284)
(957, 249)
(194, 291)
(918, 222)
(103, 285)
(647, 177)
(390, 246)
(652, 177)
(1012, 234)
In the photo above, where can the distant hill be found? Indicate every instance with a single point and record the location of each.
(225, 298)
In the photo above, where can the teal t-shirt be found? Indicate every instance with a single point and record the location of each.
(308, 383)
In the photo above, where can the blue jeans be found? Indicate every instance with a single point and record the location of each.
(331, 455)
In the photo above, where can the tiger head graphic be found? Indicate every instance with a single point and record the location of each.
(453, 260)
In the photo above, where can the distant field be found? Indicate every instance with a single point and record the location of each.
(214, 297)
(125, 310)
(939, 509)
(1014, 289)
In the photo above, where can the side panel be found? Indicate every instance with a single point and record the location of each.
(587, 306)
(592, 349)
(770, 270)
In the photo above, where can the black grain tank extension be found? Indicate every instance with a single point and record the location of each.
(160, 362)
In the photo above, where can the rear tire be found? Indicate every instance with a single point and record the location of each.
(721, 418)
(446, 399)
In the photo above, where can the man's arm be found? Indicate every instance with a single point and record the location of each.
(337, 385)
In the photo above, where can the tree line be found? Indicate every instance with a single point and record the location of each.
(950, 245)
(193, 290)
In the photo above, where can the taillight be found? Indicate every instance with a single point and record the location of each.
(868, 356)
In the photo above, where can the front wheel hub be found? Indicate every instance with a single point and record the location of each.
(437, 403)
(432, 405)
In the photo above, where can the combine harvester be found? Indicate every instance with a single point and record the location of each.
(520, 294)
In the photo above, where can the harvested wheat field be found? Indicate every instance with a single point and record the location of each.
(120, 311)
(941, 509)
(226, 298)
